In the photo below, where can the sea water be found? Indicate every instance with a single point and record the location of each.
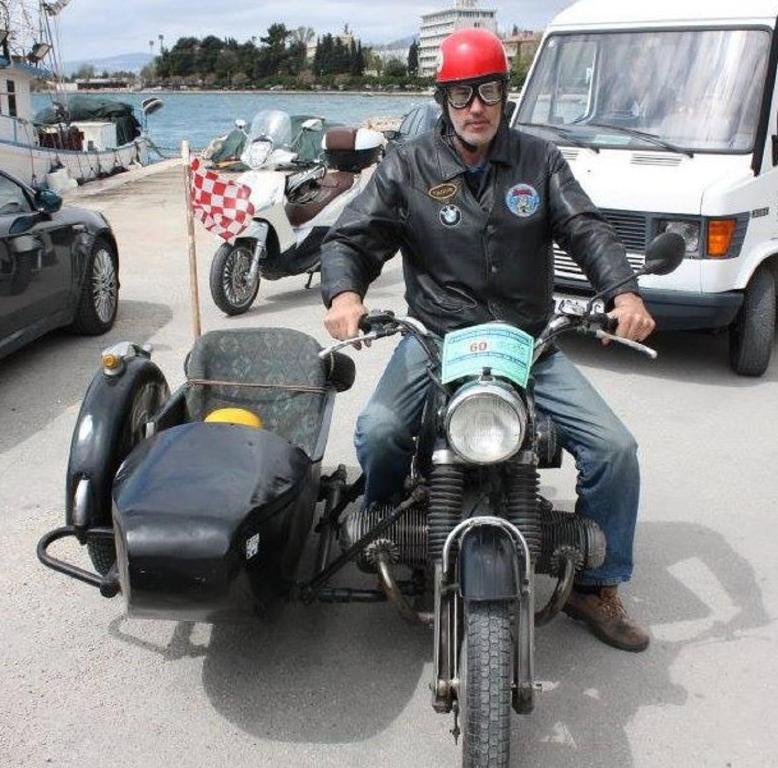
(201, 116)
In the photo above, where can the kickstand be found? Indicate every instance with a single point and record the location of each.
(455, 730)
(310, 279)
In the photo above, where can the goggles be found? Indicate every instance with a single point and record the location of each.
(461, 96)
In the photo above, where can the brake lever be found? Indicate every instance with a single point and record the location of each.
(324, 353)
(636, 345)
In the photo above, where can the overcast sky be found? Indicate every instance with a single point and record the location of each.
(97, 28)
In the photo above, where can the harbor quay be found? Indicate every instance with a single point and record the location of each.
(347, 685)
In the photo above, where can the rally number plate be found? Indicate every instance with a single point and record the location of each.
(504, 350)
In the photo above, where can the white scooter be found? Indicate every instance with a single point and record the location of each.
(295, 203)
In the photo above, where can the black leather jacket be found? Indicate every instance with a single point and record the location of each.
(466, 260)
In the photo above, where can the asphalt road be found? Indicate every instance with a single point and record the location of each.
(80, 685)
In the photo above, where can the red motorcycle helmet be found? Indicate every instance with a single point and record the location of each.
(471, 54)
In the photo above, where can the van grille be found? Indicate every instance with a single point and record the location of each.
(632, 230)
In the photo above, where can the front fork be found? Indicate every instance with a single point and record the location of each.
(448, 614)
(260, 234)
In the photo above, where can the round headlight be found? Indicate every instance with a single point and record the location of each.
(485, 423)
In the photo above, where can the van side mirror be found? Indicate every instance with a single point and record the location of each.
(47, 201)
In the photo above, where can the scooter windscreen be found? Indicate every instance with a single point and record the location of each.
(270, 132)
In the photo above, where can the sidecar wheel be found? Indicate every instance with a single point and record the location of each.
(232, 290)
(485, 685)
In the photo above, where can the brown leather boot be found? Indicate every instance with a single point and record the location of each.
(605, 615)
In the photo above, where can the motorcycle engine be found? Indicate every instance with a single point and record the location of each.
(405, 541)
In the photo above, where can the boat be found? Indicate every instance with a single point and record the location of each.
(65, 151)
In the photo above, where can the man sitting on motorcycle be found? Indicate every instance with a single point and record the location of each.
(474, 206)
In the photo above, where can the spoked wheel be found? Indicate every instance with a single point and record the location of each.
(232, 287)
(99, 298)
(146, 401)
(485, 674)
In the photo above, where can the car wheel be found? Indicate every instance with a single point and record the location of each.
(752, 334)
(98, 301)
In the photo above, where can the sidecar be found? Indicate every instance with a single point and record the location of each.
(187, 518)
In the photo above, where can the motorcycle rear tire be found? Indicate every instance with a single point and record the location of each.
(485, 685)
(221, 272)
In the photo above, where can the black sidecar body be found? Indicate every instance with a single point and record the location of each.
(192, 520)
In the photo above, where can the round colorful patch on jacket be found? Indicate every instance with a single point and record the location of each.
(522, 200)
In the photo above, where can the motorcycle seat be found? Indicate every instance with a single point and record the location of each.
(269, 356)
(334, 183)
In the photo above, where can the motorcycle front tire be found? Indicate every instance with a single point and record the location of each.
(229, 279)
(485, 685)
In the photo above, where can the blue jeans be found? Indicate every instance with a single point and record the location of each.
(605, 452)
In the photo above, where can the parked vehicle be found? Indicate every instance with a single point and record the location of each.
(667, 115)
(193, 511)
(420, 119)
(295, 202)
(59, 266)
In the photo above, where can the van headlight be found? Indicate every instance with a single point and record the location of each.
(688, 230)
(485, 423)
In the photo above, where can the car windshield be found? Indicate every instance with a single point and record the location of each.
(272, 124)
(694, 90)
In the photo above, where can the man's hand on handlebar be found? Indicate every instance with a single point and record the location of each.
(343, 316)
(634, 320)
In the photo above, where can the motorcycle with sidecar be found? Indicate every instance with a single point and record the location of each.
(196, 505)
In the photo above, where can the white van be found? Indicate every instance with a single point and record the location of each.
(666, 112)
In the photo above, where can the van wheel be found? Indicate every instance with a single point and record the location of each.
(752, 333)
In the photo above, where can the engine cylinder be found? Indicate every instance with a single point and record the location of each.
(565, 532)
(405, 541)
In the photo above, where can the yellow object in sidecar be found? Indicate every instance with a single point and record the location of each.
(234, 416)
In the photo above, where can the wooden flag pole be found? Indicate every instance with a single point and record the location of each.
(194, 294)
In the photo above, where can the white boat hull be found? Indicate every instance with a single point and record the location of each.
(31, 163)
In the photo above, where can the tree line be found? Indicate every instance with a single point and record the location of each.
(279, 58)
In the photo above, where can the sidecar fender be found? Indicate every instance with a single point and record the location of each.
(488, 565)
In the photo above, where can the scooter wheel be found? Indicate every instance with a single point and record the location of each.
(231, 287)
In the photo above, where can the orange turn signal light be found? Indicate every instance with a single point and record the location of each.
(111, 361)
(720, 232)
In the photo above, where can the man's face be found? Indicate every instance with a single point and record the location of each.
(477, 123)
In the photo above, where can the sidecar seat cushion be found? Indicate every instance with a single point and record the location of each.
(261, 356)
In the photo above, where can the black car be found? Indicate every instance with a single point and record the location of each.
(58, 266)
(420, 119)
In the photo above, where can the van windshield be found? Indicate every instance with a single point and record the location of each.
(695, 90)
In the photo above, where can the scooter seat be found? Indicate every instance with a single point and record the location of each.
(334, 183)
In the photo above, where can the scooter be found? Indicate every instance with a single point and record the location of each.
(295, 203)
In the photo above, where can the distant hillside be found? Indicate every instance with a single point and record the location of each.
(404, 42)
(123, 62)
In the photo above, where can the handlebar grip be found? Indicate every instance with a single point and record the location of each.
(372, 321)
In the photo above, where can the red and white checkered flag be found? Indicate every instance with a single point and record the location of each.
(222, 205)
